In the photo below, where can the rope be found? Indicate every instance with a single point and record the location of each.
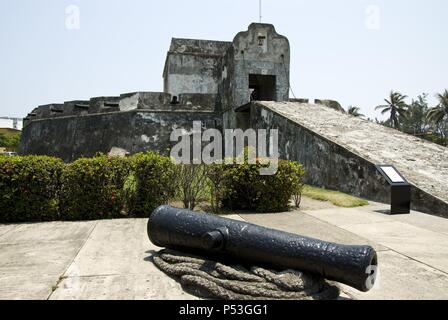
(289, 80)
(210, 279)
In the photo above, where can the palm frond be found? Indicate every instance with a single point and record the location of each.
(382, 107)
(436, 114)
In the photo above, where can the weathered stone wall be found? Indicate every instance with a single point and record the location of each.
(258, 51)
(163, 102)
(73, 137)
(331, 164)
(138, 121)
(327, 164)
(193, 66)
(157, 101)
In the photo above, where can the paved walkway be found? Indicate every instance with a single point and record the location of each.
(412, 249)
(111, 259)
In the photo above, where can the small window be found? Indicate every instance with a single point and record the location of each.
(261, 41)
(174, 100)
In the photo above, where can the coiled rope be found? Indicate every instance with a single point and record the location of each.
(214, 280)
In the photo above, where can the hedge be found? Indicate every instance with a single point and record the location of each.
(243, 188)
(29, 188)
(36, 188)
(155, 183)
(103, 188)
(91, 188)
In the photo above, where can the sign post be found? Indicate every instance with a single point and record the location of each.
(400, 189)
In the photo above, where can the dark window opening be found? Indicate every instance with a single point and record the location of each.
(174, 100)
(112, 104)
(262, 87)
(54, 110)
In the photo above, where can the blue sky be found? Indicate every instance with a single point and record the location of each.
(353, 51)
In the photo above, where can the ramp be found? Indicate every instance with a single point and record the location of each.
(340, 151)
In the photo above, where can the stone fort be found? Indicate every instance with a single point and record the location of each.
(244, 84)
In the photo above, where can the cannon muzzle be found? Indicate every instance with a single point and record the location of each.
(210, 235)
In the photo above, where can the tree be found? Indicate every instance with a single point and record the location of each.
(10, 140)
(439, 115)
(396, 107)
(355, 111)
(416, 121)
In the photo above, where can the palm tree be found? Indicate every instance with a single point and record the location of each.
(437, 114)
(355, 111)
(416, 121)
(396, 106)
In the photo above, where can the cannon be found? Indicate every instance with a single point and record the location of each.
(241, 242)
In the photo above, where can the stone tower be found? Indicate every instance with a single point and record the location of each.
(254, 66)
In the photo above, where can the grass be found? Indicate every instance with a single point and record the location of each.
(335, 197)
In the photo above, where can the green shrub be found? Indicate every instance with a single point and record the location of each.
(216, 174)
(298, 184)
(44, 189)
(10, 140)
(243, 188)
(155, 182)
(92, 188)
(192, 184)
(129, 192)
(29, 188)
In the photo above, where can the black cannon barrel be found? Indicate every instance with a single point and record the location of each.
(207, 234)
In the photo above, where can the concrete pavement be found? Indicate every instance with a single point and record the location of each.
(110, 259)
(115, 264)
(34, 256)
(82, 260)
(412, 249)
(415, 264)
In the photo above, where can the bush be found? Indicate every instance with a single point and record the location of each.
(10, 140)
(298, 184)
(154, 183)
(216, 176)
(29, 188)
(192, 184)
(44, 189)
(92, 188)
(243, 187)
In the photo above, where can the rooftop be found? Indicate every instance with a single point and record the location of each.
(195, 46)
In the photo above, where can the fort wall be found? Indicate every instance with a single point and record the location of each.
(339, 152)
(136, 122)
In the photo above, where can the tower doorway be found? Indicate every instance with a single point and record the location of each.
(262, 87)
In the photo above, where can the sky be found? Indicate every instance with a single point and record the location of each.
(353, 51)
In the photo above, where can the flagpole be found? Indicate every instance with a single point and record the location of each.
(260, 10)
